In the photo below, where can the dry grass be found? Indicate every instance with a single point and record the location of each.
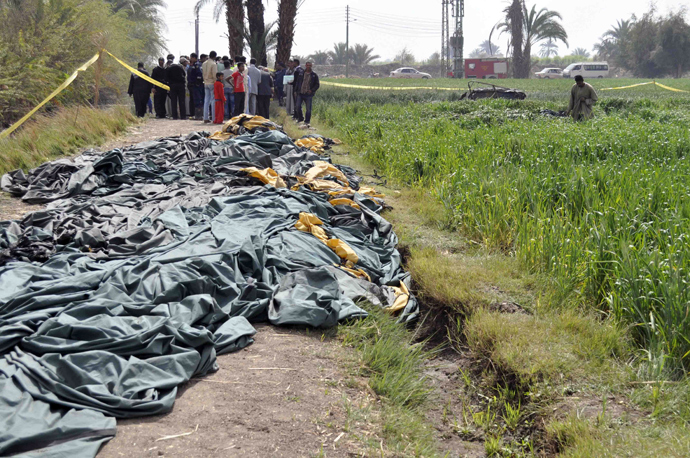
(61, 133)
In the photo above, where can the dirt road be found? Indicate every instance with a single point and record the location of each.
(292, 393)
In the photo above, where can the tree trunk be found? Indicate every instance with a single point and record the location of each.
(526, 61)
(287, 11)
(234, 16)
(516, 37)
(255, 17)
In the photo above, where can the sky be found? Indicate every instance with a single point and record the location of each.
(391, 25)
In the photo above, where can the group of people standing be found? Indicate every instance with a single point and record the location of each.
(220, 88)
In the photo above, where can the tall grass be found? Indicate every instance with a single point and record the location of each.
(61, 133)
(602, 207)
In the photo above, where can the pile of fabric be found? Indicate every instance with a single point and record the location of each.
(150, 261)
(317, 143)
(245, 124)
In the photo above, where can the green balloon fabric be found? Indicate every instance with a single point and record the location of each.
(150, 261)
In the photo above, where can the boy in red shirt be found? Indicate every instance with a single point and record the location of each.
(219, 94)
(238, 80)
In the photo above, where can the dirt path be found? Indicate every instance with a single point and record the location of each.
(292, 393)
(283, 396)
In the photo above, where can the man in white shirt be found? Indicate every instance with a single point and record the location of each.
(209, 70)
(254, 80)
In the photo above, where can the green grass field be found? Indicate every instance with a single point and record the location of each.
(603, 207)
(583, 225)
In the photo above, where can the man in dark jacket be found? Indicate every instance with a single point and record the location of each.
(278, 77)
(306, 86)
(263, 102)
(195, 83)
(140, 90)
(176, 77)
(298, 73)
(159, 94)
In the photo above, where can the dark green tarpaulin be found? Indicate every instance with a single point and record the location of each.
(149, 262)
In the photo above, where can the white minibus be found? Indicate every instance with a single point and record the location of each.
(587, 70)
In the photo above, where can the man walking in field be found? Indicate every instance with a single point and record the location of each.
(582, 98)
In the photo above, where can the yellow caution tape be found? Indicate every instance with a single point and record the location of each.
(669, 88)
(60, 88)
(396, 88)
(643, 84)
(138, 73)
(69, 81)
(625, 87)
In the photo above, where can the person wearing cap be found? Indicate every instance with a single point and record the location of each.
(176, 77)
(159, 94)
(140, 90)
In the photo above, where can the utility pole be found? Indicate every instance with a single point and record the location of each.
(347, 41)
(458, 40)
(445, 37)
(196, 34)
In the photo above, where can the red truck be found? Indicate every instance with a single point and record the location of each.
(487, 68)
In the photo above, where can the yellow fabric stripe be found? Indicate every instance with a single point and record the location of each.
(60, 88)
(670, 88)
(625, 87)
(644, 84)
(138, 73)
(398, 88)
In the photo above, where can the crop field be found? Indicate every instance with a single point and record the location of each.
(601, 208)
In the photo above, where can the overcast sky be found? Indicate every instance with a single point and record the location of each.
(390, 25)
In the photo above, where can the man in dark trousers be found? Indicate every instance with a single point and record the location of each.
(159, 94)
(298, 73)
(263, 102)
(195, 83)
(176, 77)
(140, 90)
(306, 86)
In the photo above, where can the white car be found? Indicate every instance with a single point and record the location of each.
(409, 72)
(550, 73)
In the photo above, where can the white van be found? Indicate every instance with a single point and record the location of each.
(587, 70)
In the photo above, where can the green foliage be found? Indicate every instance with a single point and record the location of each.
(652, 46)
(42, 41)
(60, 133)
(600, 207)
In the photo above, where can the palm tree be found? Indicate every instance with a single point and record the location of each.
(287, 12)
(363, 54)
(537, 26)
(319, 57)
(234, 17)
(513, 25)
(581, 52)
(620, 31)
(605, 49)
(265, 42)
(340, 54)
(612, 42)
(548, 49)
(257, 30)
(489, 48)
